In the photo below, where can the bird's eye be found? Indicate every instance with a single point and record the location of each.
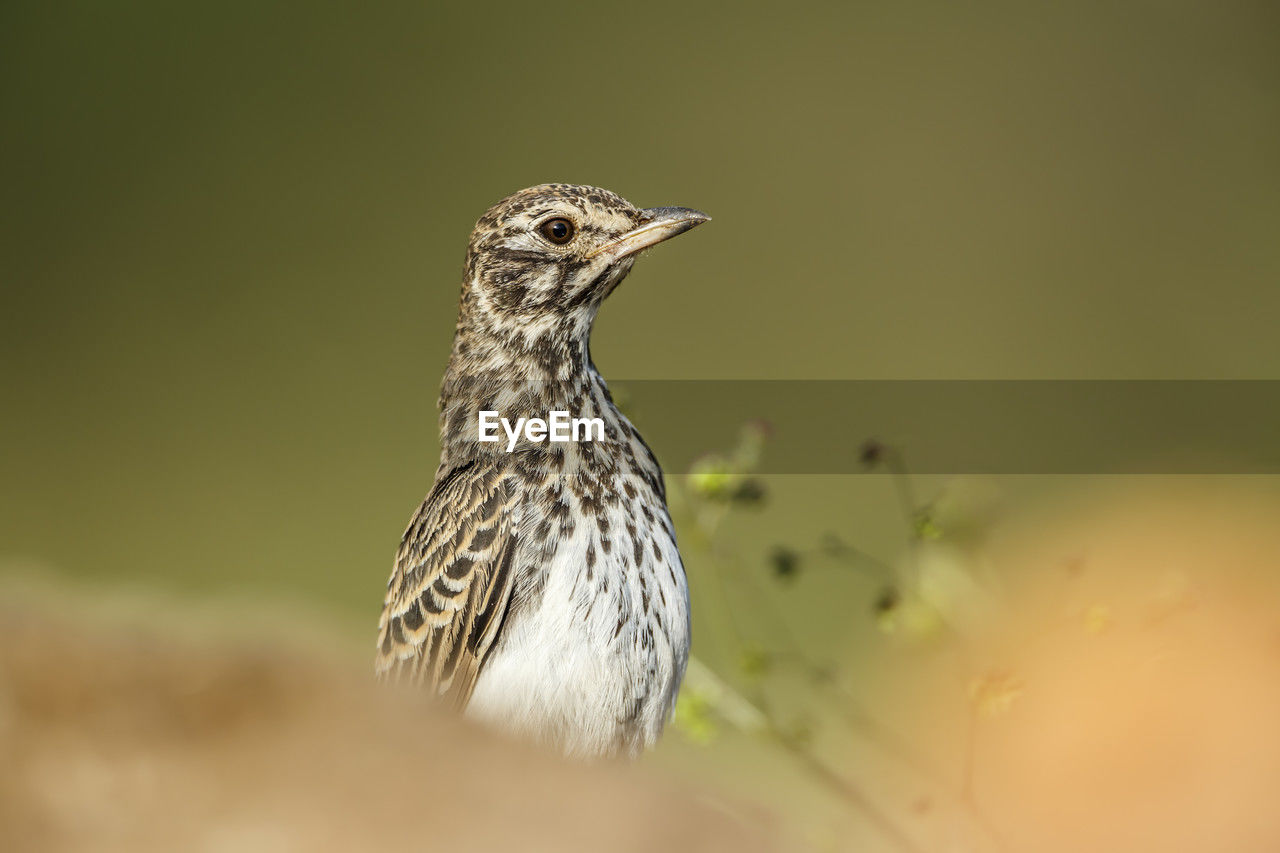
(558, 231)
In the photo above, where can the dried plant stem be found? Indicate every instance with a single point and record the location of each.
(844, 789)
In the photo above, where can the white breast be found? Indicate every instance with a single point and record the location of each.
(592, 666)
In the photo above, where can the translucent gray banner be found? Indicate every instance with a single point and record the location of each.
(969, 427)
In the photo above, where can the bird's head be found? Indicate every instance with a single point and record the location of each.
(550, 254)
(539, 264)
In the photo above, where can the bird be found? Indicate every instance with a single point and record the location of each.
(538, 588)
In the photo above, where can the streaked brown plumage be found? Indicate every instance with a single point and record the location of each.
(541, 588)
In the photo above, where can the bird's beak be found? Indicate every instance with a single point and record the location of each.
(661, 223)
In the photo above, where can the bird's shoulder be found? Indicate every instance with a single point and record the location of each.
(452, 580)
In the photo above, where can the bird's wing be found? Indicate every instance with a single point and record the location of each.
(452, 582)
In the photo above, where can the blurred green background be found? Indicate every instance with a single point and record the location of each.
(233, 235)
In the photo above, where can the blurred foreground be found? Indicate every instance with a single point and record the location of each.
(1126, 696)
(1099, 671)
(1096, 668)
(118, 734)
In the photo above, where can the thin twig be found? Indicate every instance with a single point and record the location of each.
(846, 791)
(897, 465)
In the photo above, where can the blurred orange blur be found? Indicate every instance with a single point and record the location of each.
(1127, 695)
